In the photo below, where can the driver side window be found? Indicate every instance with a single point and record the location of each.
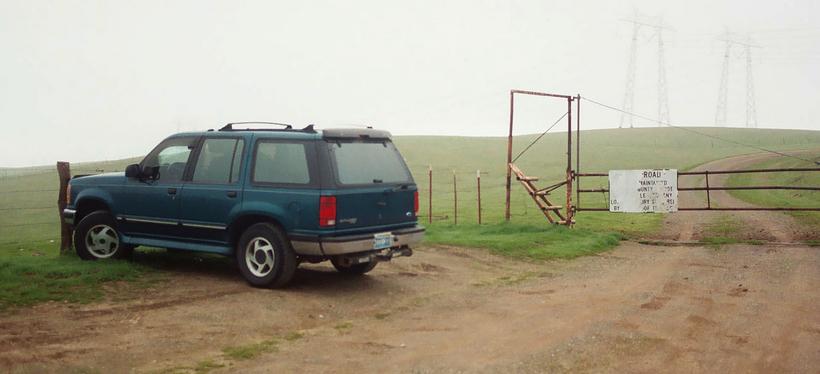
(169, 159)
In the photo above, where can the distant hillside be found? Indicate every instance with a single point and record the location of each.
(601, 150)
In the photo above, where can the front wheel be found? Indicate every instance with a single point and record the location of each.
(265, 256)
(96, 237)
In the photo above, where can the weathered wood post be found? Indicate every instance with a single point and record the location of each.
(64, 174)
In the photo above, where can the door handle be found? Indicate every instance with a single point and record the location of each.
(172, 191)
(231, 193)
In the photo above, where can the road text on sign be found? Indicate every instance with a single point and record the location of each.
(643, 191)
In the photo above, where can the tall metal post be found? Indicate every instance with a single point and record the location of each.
(569, 162)
(577, 149)
(509, 159)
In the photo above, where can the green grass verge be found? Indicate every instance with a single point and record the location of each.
(31, 275)
(525, 241)
(782, 198)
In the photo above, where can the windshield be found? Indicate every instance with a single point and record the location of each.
(368, 162)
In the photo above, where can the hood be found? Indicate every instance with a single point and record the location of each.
(115, 177)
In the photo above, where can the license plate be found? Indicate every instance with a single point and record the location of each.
(383, 240)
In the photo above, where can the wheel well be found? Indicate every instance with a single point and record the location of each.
(86, 206)
(239, 226)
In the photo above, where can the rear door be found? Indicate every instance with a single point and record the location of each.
(214, 193)
(374, 188)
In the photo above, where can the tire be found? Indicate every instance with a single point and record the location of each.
(265, 256)
(96, 237)
(357, 269)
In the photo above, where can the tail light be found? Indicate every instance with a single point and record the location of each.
(327, 211)
(416, 203)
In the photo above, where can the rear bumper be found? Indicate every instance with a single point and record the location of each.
(68, 216)
(340, 245)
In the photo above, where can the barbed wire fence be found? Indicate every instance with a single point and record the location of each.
(466, 197)
(29, 211)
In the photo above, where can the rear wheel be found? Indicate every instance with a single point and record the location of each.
(96, 237)
(355, 269)
(265, 256)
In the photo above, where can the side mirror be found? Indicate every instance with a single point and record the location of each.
(133, 171)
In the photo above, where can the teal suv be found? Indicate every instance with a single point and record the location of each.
(273, 198)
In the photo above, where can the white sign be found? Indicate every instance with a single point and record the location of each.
(643, 191)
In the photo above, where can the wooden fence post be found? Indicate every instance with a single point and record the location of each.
(64, 173)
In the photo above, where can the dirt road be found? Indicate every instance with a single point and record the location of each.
(740, 308)
(765, 226)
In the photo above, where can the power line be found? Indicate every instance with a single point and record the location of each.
(700, 133)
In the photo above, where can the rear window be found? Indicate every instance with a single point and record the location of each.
(368, 163)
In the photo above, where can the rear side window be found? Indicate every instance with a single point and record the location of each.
(368, 163)
(219, 161)
(281, 163)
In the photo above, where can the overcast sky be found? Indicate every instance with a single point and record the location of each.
(94, 80)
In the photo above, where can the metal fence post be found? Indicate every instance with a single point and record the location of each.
(430, 194)
(478, 185)
(64, 174)
(455, 199)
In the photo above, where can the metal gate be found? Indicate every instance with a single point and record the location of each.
(574, 176)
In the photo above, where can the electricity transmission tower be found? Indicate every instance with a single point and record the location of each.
(751, 110)
(663, 91)
(723, 90)
(629, 92)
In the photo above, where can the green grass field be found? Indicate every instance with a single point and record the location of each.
(31, 271)
(783, 198)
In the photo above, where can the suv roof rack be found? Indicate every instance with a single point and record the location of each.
(285, 127)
